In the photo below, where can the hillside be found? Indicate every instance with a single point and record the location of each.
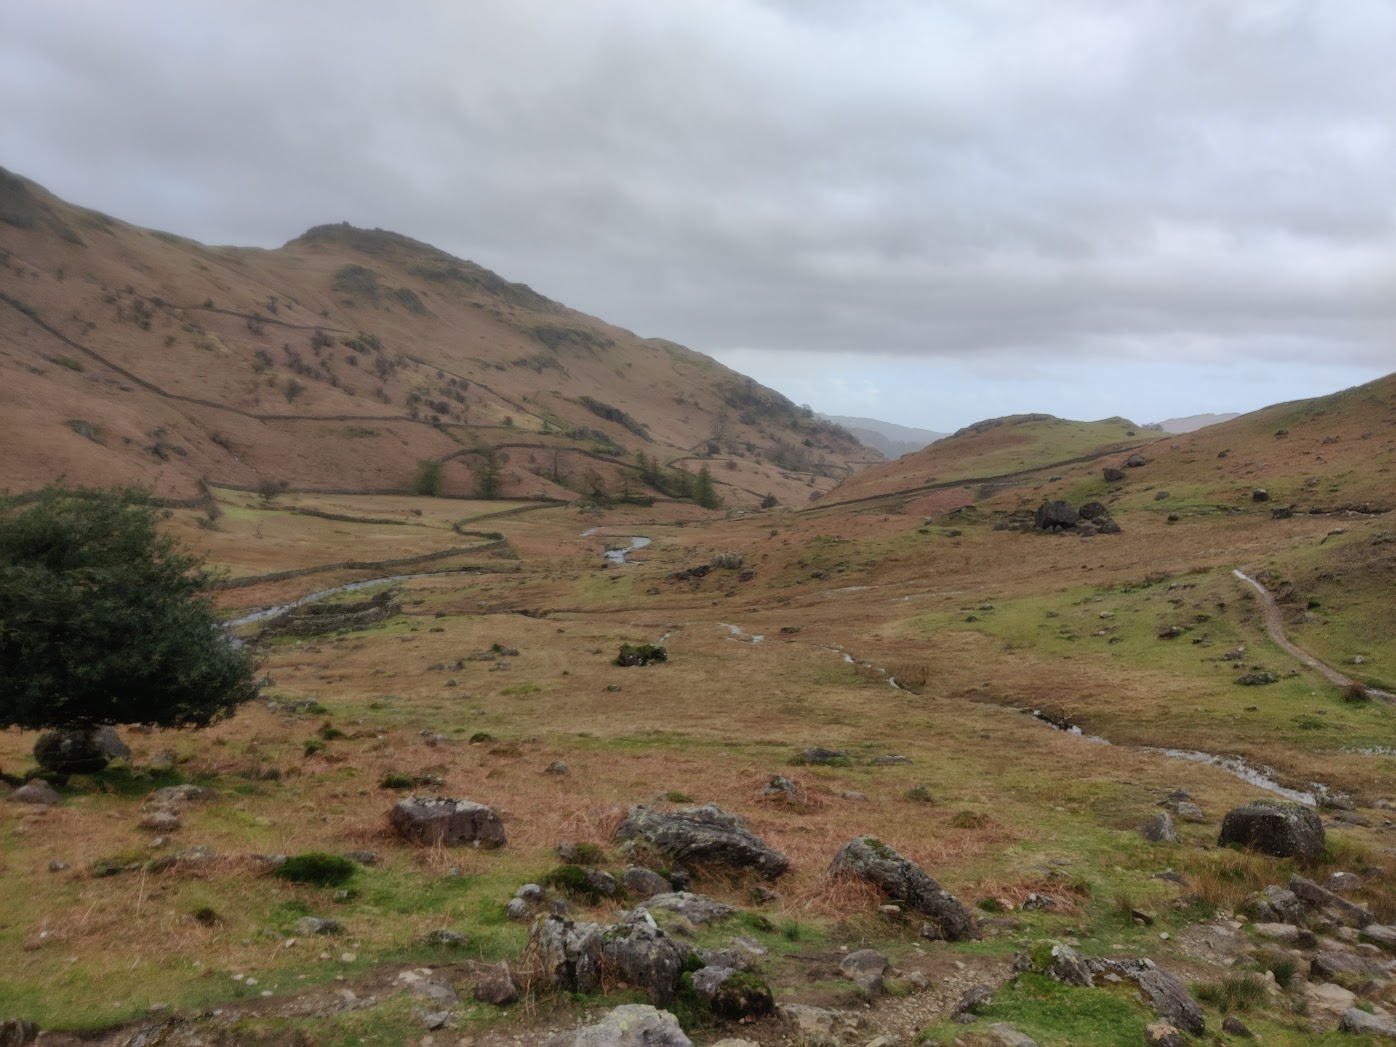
(990, 449)
(891, 439)
(341, 360)
(1189, 423)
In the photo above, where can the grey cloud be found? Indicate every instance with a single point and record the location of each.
(1008, 178)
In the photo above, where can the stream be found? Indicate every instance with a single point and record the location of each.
(264, 613)
(637, 541)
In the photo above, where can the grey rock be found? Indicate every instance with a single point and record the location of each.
(864, 968)
(1054, 516)
(1342, 882)
(531, 892)
(971, 1001)
(763, 895)
(568, 953)
(307, 926)
(1001, 1034)
(641, 955)
(496, 986)
(905, 882)
(37, 793)
(1160, 829)
(1380, 935)
(1328, 964)
(1275, 827)
(1161, 1034)
(602, 882)
(1069, 968)
(1360, 1023)
(1189, 811)
(1095, 511)
(1234, 1026)
(695, 908)
(733, 995)
(165, 760)
(632, 1025)
(173, 796)
(442, 936)
(558, 769)
(1134, 461)
(369, 858)
(702, 835)
(817, 755)
(1165, 992)
(436, 1020)
(1274, 905)
(782, 789)
(82, 751)
(1316, 897)
(1112, 475)
(644, 883)
(814, 1026)
(517, 910)
(431, 821)
(164, 821)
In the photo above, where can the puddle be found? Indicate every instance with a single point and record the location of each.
(637, 541)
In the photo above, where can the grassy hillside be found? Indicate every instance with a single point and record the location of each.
(342, 360)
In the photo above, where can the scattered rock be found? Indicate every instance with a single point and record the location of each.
(1380, 935)
(1274, 905)
(496, 986)
(161, 822)
(450, 939)
(631, 1025)
(1330, 965)
(703, 835)
(173, 796)
(1112, 475)
(450, 823)
(557, 768)
(1161, 1034)
(813, 1025)
(971, 1002)
(1234, 1026)
(1055, 516)
(517, 910)
(308, 926)
(639, 954)
(697, 909)
(783, 790)
(1260, 494)
(902, 880)
(864, 968)
(1001, 1034)
(38, 793)
(1316, 897)
(1325, 998)
(1160, 829)
(1275, 827)
(1278, 932)
(732, 994)
(1257, 679)
(369, 858)
(817, 755)
(79, 751)
(16, 1032)
(644, 883)
(1134, 461)
(1360, 1023)
(1167, 994)
(568, 952)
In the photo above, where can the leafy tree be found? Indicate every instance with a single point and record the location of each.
(489, 479)
(103, 620)
(704, 493)
(428, 479)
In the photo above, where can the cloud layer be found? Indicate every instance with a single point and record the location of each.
(972, 188)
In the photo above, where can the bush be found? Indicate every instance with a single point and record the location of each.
(1233, 993)
(317, 868)
(89, 571)
(1356, 693)
(428, 481)
(575, 881)
(397, 780)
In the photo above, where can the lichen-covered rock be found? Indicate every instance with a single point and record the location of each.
(1166, 993)
(442, 822)
(864, 968)
(695, 908)
(496, 986)
(813, 1025)
(1320, 898)
(903, 881)
(632, 1025)
(568, 953)
(644, 883)
(733, 994)
(1160, 829)
(639, 954)
(1360, 1023)
(1275, 827)
(1274, 905)
(705, 835)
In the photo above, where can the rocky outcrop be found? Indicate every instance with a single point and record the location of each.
(702, 836)
(632, 1025)
(1360, 1023)
(571, 955)
(697, 909)
(567, 952)
(1055, 516)
(1275, 827)
(434, 821)
(905, 882)
(1320, 899)
(733, 994)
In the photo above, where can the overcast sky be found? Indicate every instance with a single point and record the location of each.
(925, 212)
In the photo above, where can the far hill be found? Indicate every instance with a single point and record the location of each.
(993, 448)
(891, 439)
(1190, 423)
(342, 360)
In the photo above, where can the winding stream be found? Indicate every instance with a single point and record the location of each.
(637, 541)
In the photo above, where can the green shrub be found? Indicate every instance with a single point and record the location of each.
(317, 868)
(678, 797)
(330, 733)
(396, 780)
(1233, 993)
(574, 881)
(428, 481)
(918, 794)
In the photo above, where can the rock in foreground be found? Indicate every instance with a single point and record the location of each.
(449, 823)
(703, 836)
(633, 1025)
(904, 881)
(1275, 827)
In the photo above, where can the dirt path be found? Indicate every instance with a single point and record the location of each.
(1274, 625)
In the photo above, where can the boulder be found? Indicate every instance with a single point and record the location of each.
(816, 755)
(971, 1002)
(1166, 993)
(1112, 475)
(631, 1025)
(36, 792)
(1234, 1026)
(704, 835)
(639, 954)
(1094, 511)
(1134, 461)
(783, 790)
(1320, 898)
(905, 882)
(644, 883)
(1275, 827)
(1360, 1023)
(433, 821)
(1274, 905)
(1260, 494)
(84, 751)
(1342, 882)
(496, 986)
(1161, 1034)
(732, 994)
(864, 968)
(1330, 964)
(1055, 516)
(1064, 964)
(1380, 935)
(568, 953)
(164, 821)
(695, 908)
(1160, 829)
(814, 1026)
(1001, 1034)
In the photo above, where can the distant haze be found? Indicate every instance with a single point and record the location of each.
(929, 213)
(891, 439)
(1190, 423)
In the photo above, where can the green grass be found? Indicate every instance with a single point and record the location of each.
(1055, 1014)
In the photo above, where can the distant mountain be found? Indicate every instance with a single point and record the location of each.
(1191, 422)
(891, 439)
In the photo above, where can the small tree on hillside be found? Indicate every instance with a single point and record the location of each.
(428, 480)
(489, 478)
(704, 493)
(103, 621)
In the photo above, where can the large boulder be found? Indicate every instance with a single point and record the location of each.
(1275, 827)
(733, 994)
(434, 821)
(1094, 511)
(1112, 475)
(1357, 1022)
(1165, 992)
(905, 882)
(705, 835)
(1274, 905)
(568, 953)
(639, 954)
(631, 1025)
(1055, 516)
(84, 751)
